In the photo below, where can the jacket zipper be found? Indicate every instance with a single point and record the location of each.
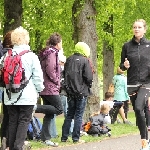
(139, 61)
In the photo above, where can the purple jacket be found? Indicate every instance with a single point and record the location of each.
(51, 71)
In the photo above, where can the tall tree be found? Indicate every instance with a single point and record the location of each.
(84, 23)
(108, 54)
(13, 15)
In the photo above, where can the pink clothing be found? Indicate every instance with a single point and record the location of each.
(51, 71)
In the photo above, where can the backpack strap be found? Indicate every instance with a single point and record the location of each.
(10, 52)
(23, 52)
(21, 91)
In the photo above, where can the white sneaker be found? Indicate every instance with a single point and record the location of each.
(50, 143)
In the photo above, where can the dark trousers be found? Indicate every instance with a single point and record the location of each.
(19, 118)
(114, 112)
(5, 121)
(76, 107)
(139, 108)
(147, 114)
(55, 107)
(126, 108)
(133, 95)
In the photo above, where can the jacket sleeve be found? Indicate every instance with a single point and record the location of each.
(87, 74)
(37, 74)
(51, 68)
(123, 56)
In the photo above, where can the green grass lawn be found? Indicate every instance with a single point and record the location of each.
(117, 131)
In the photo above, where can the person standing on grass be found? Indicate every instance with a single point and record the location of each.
(78, 79)
(135, 58)
(6, 44)
(20, 109)
(120, 93)
(63, 94)
(50, 95)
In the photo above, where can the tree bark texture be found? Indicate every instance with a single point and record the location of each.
(108, 56)
(108, 66)
(84, 22)
(13, 15)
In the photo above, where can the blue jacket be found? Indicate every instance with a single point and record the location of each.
(32, 66)
(120, 87)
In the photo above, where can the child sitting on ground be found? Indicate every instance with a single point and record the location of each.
(114, 106)
(98, 121)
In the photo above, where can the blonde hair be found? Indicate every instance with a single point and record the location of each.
(7, 40)
(20, 36)
(105, 108)
(143, 21)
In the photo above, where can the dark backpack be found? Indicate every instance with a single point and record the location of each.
(34, 129)
(13, 74)
(97, 126)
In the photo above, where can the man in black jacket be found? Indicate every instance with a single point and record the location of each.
(78, 78)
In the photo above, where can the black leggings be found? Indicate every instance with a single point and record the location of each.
(126, 108)
(147, 114)
(139, 108)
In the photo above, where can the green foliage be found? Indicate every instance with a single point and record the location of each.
(1, 16)
(124, 14)
(44, 18)
(48, 17)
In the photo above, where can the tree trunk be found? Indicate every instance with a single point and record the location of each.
(108, 66)
(12, 14)
(108, 56)
(84, 23)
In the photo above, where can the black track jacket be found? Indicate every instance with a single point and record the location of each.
(78, 75)
(138, 55)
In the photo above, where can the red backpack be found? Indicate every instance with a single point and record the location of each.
(13, 73)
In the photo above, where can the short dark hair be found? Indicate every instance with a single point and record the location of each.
(108, 95)
(54, 39)
(7, 40)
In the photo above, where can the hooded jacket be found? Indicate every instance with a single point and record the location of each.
(78, 74)
(33, 69)
(51, 71)
(138, 55)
